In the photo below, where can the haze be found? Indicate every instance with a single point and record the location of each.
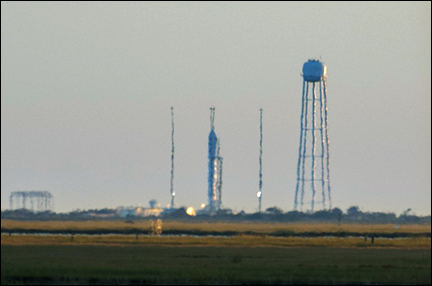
(86, 91)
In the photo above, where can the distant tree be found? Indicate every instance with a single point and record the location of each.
(274, 210)
(294, 215)
(322, 215)
(241, 213)
(353, 211)
(224, 212)
(337, 211)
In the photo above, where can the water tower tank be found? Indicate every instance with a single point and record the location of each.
(314, 70)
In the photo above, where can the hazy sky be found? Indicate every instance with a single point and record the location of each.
(86, 91)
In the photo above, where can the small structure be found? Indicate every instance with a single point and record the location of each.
(156, 227)
(39, 200)
(153, 210)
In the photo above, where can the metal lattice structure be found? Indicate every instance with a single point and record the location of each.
(313, 166)
(259, 194)
(172, 192)
(214, 169)
(156, 227)
(39, 201)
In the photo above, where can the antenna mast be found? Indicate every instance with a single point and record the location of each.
(172, 158)
(259, 194)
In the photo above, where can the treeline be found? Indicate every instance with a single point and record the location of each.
(336, 215)
(273, 214)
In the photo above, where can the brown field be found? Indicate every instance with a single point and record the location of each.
(256, 227)
(235, 241)
(258, 259)
(246, 234)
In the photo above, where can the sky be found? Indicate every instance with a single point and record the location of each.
(87, 87)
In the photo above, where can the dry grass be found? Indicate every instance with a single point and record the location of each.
(189, 265)
(257, 227)
(235, 241)
(257, 259)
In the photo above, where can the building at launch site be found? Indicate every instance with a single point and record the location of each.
(36, 201)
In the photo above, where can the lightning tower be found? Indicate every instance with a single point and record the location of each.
(259, 194)
(313, 166)
(172, 158)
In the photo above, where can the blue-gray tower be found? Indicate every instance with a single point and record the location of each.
(313, 166)
(214, 169)
(259, 194)
(172, 192)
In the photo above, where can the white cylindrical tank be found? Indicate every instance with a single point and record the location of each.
(314, 70)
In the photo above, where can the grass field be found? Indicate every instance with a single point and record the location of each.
(258, 259)
(174, 227)
(234, 241)
(108, 265)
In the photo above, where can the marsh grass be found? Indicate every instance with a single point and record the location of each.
(252, 256)
(216, 227)
(145, 265)
(241, 240)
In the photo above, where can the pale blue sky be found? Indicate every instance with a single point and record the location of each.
(86, 91)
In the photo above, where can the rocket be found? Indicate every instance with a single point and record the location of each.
(212, 171)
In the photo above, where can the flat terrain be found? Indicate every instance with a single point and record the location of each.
(256, 258)
(108, 265)
(215, 228)
(232, 241)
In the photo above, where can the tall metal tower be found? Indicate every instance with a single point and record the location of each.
(313, 166)
(259, 194)
(214, 169)
(172, 158)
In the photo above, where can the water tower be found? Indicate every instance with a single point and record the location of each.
(313, 166)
